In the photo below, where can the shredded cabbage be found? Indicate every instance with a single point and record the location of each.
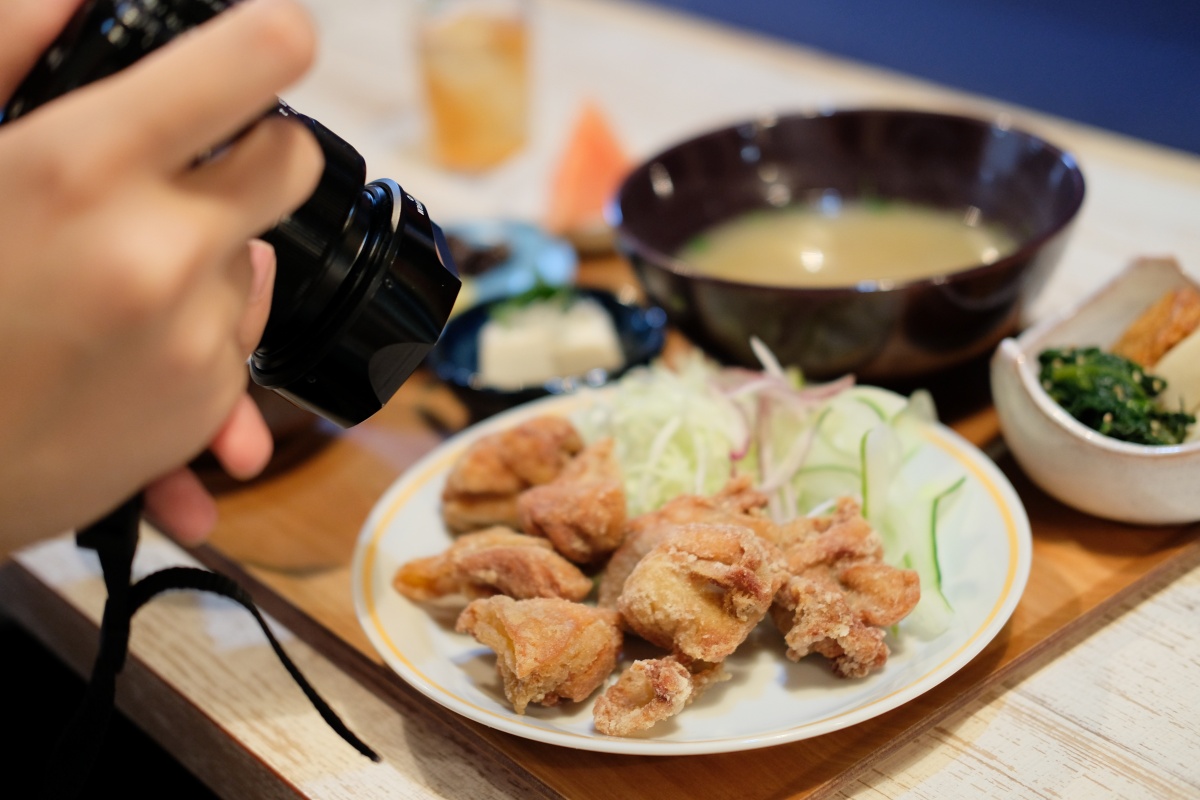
(688, 429)
(673, 433)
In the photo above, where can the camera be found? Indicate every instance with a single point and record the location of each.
(364, 282)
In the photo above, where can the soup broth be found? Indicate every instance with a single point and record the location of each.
(811, 246)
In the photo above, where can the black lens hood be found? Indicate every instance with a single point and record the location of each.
(347, 363)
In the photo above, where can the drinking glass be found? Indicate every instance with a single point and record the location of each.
(474, 63)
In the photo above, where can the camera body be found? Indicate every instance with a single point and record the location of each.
(364, 282)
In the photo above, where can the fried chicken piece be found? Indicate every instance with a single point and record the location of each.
(482, 487)
(493, 561)
(650, 691)
(815, 617)
(701, 590)
(636, 544)
(840, 536)
(548, 651)
(1160, 327)
(880, 594)
(463, 513)
(528, 454)
(738, 503)
(841, 594)
(582, 511)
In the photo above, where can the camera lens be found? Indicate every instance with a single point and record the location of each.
(371, 296)
(364, 280)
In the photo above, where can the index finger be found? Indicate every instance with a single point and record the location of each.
(29, 26)
(206, 86)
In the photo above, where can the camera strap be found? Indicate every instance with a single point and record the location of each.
(114, 538)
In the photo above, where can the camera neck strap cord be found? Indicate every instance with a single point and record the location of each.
(114, 538)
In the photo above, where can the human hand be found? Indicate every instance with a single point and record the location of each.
(127, 295)
(178, 503)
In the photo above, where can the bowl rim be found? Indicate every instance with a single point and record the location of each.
(1000, 122)
(1019, 351)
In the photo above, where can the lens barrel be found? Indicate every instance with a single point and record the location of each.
(344, 357)
(364, 280)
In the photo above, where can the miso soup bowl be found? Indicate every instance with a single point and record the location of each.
(883, 331)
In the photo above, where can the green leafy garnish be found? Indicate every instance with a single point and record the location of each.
(540, 292)
(876, 204)
(1112, 395)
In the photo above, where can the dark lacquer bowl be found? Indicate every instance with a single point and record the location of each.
(881, 331)
(455, 358)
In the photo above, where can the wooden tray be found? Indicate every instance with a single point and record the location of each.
(291, 535)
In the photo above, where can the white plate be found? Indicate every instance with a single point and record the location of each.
(769, 700)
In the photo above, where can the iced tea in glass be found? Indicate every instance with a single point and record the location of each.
(474, 61)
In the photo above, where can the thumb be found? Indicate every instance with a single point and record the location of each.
(258, 301)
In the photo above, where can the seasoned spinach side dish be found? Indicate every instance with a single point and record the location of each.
(1112, 395)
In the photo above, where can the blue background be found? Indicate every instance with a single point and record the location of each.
(1131, 67)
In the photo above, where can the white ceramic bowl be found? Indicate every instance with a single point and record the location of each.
(1071, 462)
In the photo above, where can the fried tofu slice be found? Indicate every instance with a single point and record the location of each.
(651, 690)
(548, 651)
(1159, 328)
(494, 561)
(482, 487)
(701, 590)
(582, 511)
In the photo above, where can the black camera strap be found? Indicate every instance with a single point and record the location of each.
(114, 538)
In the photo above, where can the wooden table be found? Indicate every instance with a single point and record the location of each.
(1089, 691)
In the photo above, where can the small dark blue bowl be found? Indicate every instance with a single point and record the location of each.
(455, 358)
